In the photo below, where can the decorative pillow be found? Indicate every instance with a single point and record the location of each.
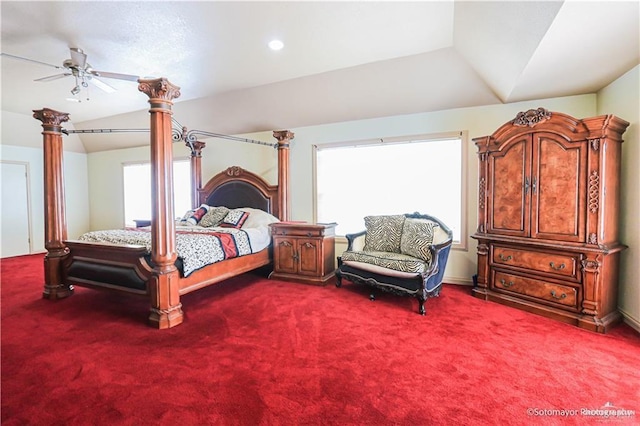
(214, 216)
(258, 218)
(383, 233)
(235, 219)
(417, 238)
(192, 217)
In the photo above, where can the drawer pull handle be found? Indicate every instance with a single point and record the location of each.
(557, 268)
(503, 258)
(506, 284)
(562, 296)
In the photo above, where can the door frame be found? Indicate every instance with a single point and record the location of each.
(27, 170)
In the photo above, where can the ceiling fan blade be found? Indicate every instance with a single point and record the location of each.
(115, 75)
(30, 60)
(53, 77)
(102, 85)
(78, 57)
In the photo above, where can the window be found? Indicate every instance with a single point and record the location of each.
(137, 190)
(423, 174)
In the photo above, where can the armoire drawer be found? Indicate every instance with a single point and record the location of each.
(561, 264)
(550, 292)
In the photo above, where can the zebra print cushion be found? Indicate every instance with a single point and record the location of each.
(214, 216)
(417, 238)
(395, 261)
(383, 233)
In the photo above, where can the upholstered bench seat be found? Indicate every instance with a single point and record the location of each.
(386, 262)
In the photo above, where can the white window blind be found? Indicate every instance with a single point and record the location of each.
(137, 190)
(405, 175)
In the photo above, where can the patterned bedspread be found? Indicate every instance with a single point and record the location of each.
(195, 247)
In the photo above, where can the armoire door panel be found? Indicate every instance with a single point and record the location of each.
(509, 185)
(558, 176)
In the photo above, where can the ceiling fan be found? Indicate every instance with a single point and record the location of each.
(78, 67)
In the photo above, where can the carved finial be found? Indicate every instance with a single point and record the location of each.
(196, 147)
(234, 171)
(159, 88)
(532, 117)
(282, 135)
(50, 117)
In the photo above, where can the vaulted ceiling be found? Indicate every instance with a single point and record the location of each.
(341, 60)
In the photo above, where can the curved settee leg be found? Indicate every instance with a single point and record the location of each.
(421, 308)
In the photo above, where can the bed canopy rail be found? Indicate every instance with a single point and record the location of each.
(190, 138)
(164, 286)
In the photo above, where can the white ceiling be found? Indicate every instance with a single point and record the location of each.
(341, 60)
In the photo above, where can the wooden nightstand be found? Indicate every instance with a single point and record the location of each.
(303, 252)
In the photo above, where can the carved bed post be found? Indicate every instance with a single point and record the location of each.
(283, 137)
(196, 148)
(166, 309)
(55, 220)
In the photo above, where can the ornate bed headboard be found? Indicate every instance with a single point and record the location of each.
(236, 187)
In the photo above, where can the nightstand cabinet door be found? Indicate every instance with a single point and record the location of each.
(310, 251)
(285, 255)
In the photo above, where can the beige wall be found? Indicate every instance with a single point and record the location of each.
(621, 98)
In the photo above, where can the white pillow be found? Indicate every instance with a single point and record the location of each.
(258, 218)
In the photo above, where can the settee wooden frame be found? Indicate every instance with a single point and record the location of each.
(131, 269)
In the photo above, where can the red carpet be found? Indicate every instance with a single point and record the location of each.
(258, 352)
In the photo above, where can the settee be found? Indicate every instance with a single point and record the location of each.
(402, 254)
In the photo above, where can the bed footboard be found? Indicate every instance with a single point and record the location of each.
(96, 265)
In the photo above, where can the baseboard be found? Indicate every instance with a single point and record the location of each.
(457, 281)
(630, 321)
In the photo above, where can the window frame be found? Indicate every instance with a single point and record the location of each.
(461, 245)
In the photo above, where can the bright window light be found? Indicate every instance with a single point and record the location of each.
(137, 190)
(404, 176)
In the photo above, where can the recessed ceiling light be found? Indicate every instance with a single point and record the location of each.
(276, 45)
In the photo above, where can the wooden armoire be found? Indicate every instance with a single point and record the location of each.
(548, 216)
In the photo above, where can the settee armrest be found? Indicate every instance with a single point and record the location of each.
(439, 254)
(355, 241)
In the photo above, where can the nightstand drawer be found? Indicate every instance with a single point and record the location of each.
(535, 288)
(306, 231)
(553, 263)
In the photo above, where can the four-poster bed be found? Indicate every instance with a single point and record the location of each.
(134, 269)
